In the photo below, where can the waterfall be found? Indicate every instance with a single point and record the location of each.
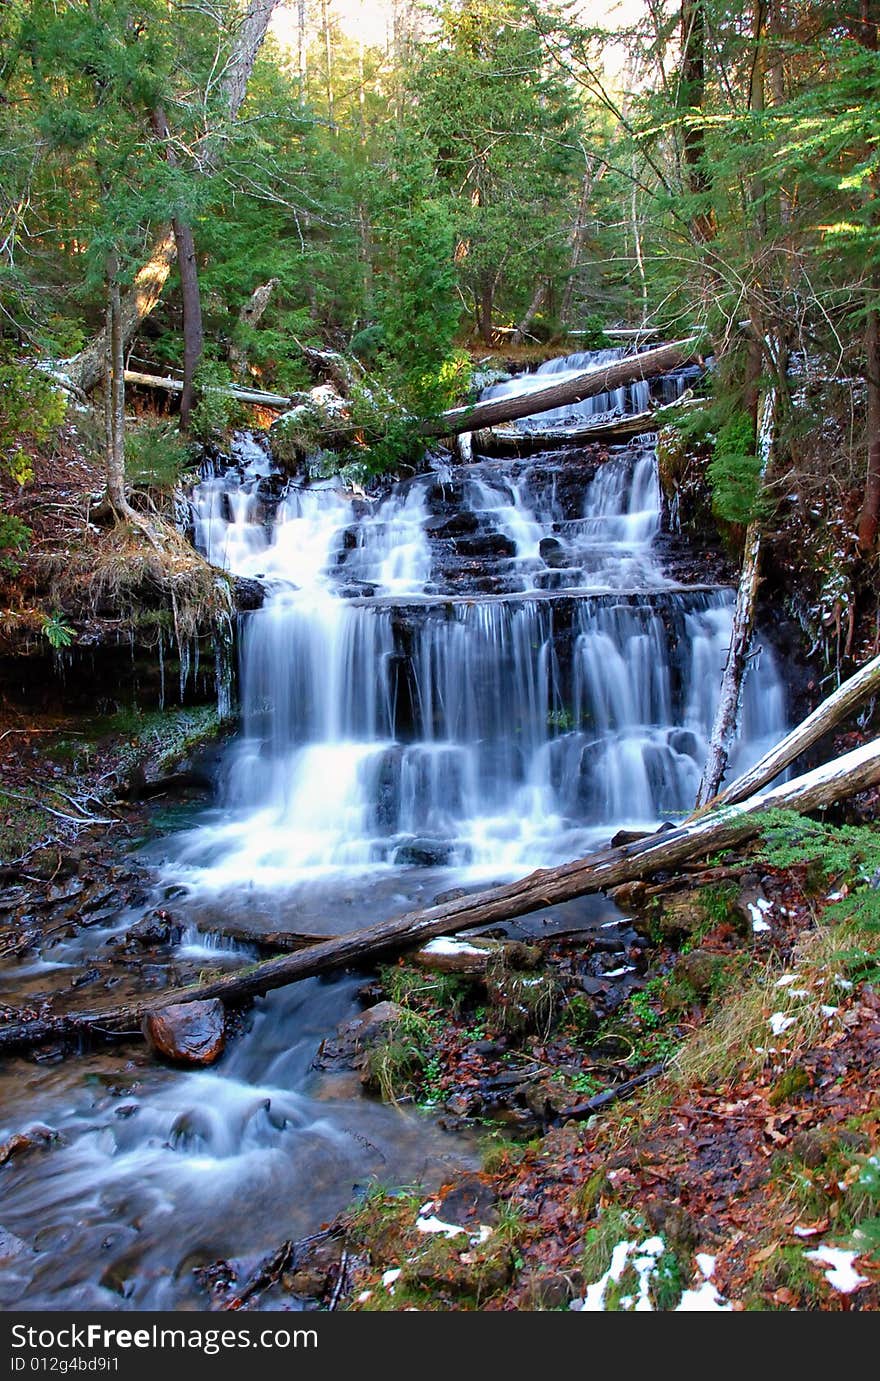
(485, 669)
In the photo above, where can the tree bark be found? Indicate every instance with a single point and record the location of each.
(598, 872)
(727, 713)
(869, 517)
(646, 365)
(691, 92)
(832, 711)
(187, 265)
(114, 396)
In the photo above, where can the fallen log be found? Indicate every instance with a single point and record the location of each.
(598, 872)
(854, 692)
(646, 365)
(513, 441)
(168, 384)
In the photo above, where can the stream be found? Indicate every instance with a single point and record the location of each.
(484, 671)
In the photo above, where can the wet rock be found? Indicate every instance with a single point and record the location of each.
(348, 1048)
(459, 525)
(675, 921)
(12, 1247)
(486, 544)
(553, 1291)
(465, 1103)
(468, 1203)
(247, 594)
(544, 1098)
(553, 553)
(156, 929)
(426, 853)
(187, 1032)
(36, 1137)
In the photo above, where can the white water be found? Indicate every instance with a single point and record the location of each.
(427, 725)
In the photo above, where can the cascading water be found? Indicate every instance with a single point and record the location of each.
(485, 671)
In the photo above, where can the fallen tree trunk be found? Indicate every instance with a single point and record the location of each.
(514, 441)
(854, 692)
(646, 365)
(244, 395)
(598, 872)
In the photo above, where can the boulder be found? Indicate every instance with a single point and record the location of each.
(190, 1033)
(348, 1047)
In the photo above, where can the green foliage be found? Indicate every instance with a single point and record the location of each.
(842, 854)
(15, 538)
(734, 472)
(156, 456)
(57, 631)
(215, 411)
(31, 408)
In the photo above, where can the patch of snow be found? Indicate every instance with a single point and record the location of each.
(609, 925)
(799, 992)
(483, 1233)
(364, 1296)
(785, 980)
(835, 896)
(800, 1231)
(594, 1298)
(389, 1277)
(843, 983)
(705, 1264)
(841, 1275)
(434, 1224)
(779, 1022)
(618, 973)
(445, 944)
(705, 1299)
(828, 1011)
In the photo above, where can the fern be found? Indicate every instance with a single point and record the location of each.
(847, 854)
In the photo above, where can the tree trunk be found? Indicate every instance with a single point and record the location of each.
(328, 63)
(691, 92)
(485, 306)
(577, 240)
(114, 396)
(646, 365)
(869, 518)
(727, 713)
(832, 711)
(193, 329)
(301, 50)
(598, 872)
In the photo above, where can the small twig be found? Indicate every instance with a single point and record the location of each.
(340, 1281)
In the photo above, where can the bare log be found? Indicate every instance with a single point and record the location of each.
(721, 829)
(514, 441)
(250, 316)
(646, 365)
(244, 395)
(848, 697)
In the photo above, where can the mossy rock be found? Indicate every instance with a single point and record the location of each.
(699, 971)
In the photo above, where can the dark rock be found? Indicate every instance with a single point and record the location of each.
(459, 525)
(348, 1048)
(247, 594)
(426, 853)
(469, 1203)
(553, 553)
(156, 929)
(699, 970)
(545, 1098)
(465, 1103)
(36, 1137)
(553, 1291)
(812, 1148)
(486, 544)
(187, 1032)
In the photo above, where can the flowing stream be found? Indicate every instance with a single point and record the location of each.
(484, 671)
